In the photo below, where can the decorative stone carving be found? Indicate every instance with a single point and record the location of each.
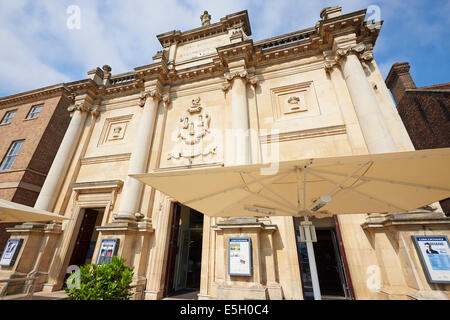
(106, 74)
(294, 105)
(94, 111)
(146, 94)
(193, 127)
(367, 55)
(226, 87)
(254, 81)
(116, 132)
(205, 18)
(294, 101)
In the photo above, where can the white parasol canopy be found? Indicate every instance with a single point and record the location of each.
(391, 182)
(15, 212)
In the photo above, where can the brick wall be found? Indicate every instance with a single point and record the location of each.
(42, 136)
(424, 111)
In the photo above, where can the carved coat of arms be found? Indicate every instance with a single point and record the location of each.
(192, 132)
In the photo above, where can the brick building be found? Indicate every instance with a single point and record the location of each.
(424, 111)
(32, 125)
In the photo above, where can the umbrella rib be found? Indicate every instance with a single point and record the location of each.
(245, 198)
(269, 199)
(266, 186)
(351, 175)
(376, 199)
(235, 204)
(385, 180)
(223, 191)
(359, 192)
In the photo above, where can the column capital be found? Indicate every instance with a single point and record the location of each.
(362, 51)
(78, 106)
(149, 94)
(330, 60)
(166, 100)
(84, 104)
(243, 74)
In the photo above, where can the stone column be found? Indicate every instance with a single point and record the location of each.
(344, 102)
(373, 125)
(239, 117)
(60, 164)
(139, 156)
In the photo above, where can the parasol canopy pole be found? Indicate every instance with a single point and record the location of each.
(307, 231)
(309, 235)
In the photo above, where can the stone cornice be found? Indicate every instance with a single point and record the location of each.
(288, 47)
(107, 158)
(408, 219)
(236, 51)
(33, 95)
(96, 185)
(304, 134)
(235, 20)
(207, 70)
(153, 71)
(348, 23)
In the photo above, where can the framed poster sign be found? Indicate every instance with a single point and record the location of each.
(240, 257)
(434, 253)
(108, 249)
(11, 251)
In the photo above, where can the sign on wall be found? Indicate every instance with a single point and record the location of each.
(434, 253)
(108, 249)
(11, 251)
(239, 257)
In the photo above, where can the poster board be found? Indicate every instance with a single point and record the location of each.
(239, 257)
(108, 249)
(434, 254)
(11, 251)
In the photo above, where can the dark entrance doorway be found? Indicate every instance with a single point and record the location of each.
(330, 267)
(185, 251)
(87, 237)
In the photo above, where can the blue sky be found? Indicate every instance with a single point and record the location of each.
(37, 49)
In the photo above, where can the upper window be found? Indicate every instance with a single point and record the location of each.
(11, 155)
(7, 118)
(34, 111)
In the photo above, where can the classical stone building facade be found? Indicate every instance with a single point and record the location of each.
(318, 88)
(34, 122)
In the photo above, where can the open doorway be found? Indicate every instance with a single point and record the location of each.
(83, 250)
(331, 271)
(185, 251)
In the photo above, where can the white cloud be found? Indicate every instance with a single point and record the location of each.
(38, 49)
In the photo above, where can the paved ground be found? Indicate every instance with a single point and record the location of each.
(57, 295)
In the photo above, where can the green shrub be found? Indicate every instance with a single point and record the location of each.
(110, 281)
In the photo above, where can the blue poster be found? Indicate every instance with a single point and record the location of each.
(434, 253)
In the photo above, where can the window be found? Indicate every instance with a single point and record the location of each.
(11, 155)
(8, 117)
(34, 111)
